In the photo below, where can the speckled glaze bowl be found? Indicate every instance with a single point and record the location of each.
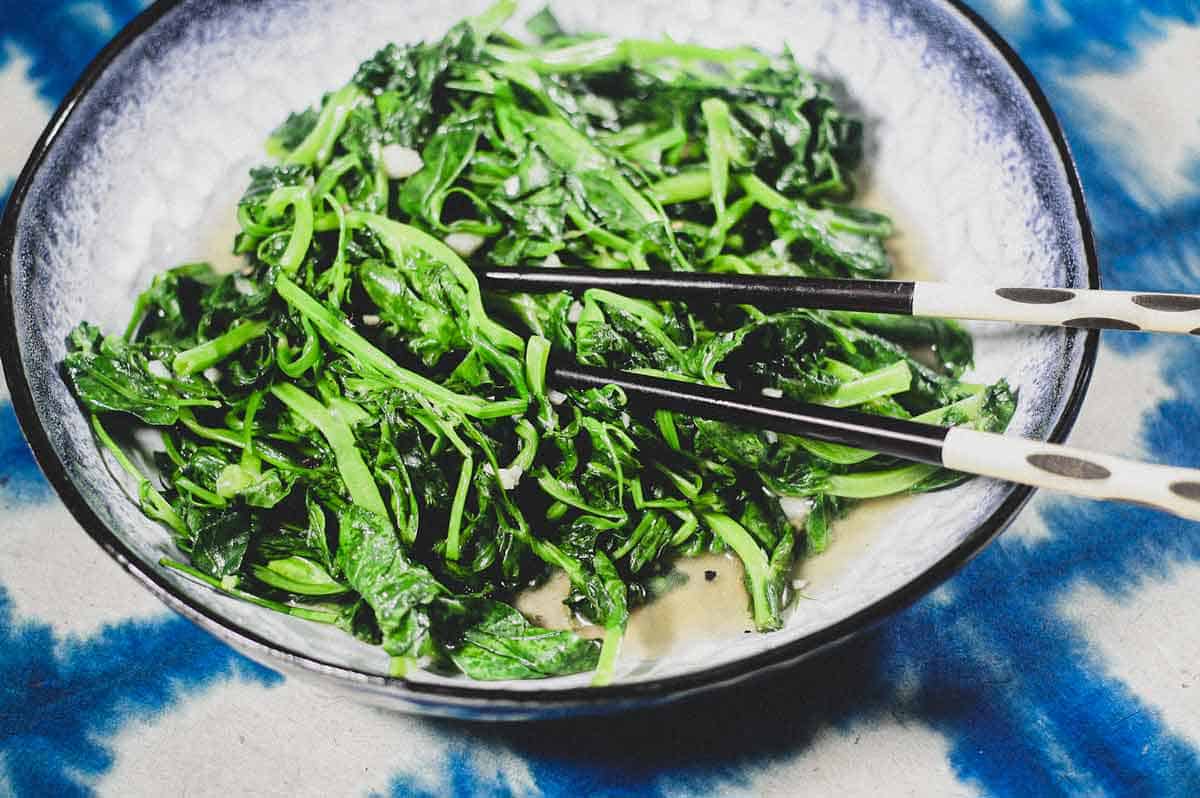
(144, 162)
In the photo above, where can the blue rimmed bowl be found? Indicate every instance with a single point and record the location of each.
(143, 163)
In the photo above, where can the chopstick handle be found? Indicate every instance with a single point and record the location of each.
(1069, 470)
(1030, 462)
(1065, 307)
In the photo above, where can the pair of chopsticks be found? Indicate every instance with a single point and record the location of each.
(1030, 462)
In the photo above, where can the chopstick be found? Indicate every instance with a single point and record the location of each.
(1066, 307)
(1029, 462)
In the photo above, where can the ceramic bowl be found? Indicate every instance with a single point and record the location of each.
(142, 166)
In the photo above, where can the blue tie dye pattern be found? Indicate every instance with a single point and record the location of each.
(1025, 703)
(60, 699)
(61, 37)
(1107, 37)
(19, 475)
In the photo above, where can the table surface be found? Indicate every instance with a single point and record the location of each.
(1063, 660)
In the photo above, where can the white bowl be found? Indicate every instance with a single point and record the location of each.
(143, 164)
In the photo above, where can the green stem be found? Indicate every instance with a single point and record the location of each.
(758, 568)
(231, 438)
(321, 616)
(250, 461)
(970, 408)
(641, 309)
(200, 492)
(528, 436)
(219, 435)
(608, 656)
(355, 474)
(454, 527)
(687, 186)
(332, 174)
(310, 353)
(400, 667)
(337, 272)
(873, 484)
(209, 353)
(643, 50)
(341, 335)
(650, 149)
(557, 490)
(640, 501)
(596, 233)
(162, 509)
(638, 533)
(492, 19)
(772, 200)
(691, 490)
(318, 145)
(718, 233)
(585, 56)
(686, 529)
(605, 54)
(302, 223)
(537, 359)
(722, 148)
(889, 380)
(764, 195)
(666, 427)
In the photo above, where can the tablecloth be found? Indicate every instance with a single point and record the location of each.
(1063, 660)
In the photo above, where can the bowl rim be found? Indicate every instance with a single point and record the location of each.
(476, 699)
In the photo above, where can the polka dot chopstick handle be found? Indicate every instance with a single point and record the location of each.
(1061, 468)
(1091, 310)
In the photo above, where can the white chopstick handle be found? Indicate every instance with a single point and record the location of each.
(1067, 307)
(1061, 468)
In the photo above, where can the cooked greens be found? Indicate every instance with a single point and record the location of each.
(353, 432)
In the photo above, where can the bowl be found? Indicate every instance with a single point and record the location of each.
(144, 161)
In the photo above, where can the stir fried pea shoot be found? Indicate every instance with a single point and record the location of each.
(353, 433)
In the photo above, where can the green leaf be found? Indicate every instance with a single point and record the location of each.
(109, 375)
(429, 330)
(398, 589)
(219, 538)
(299, 575)
(489, 640)
(544, 25)
(445, 156)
